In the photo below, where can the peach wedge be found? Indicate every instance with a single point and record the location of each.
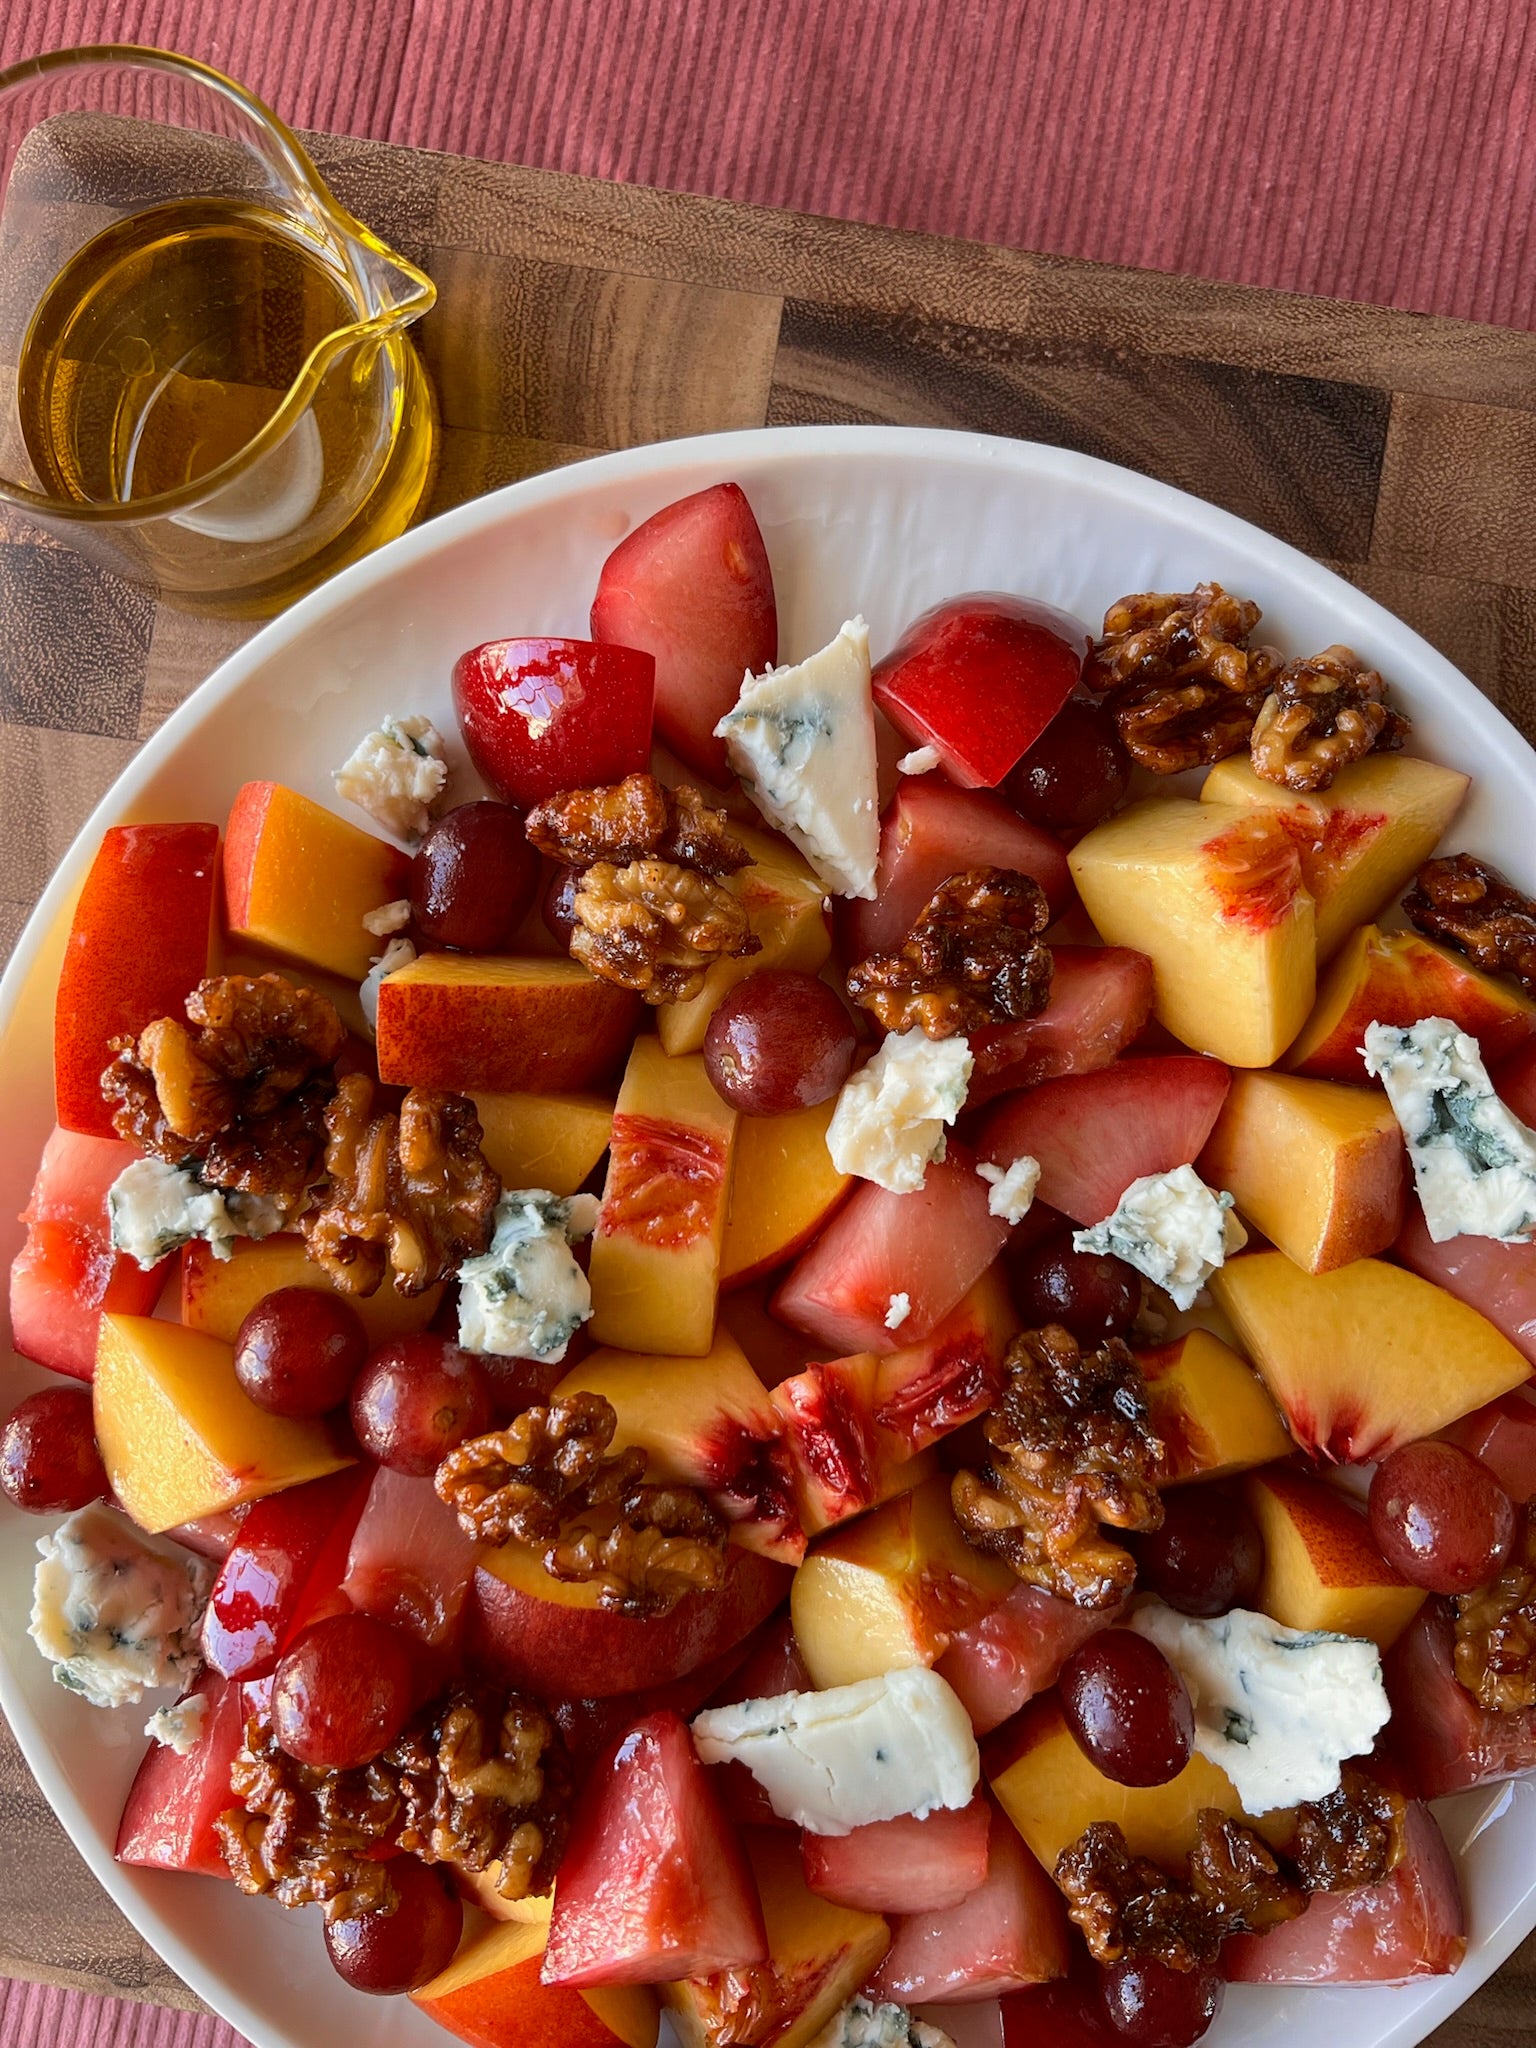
(1213, 893)
(492, 1996)
(1210, 1409)
(543, 1141)
(890, 1590)
(218, 1294)
(782, 1191)
(1396, 978)
(298, 880)
(1051, 1791)
(179, 1436)
(1319, 1168)
(1365, 1358)
(819, 1956)
(656, 1253)
(1321, 1569)
(783, 898)
(1359, 840)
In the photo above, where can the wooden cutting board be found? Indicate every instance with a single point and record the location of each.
(576, 317)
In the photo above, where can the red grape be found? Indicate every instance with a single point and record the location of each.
(1089, 1293)
(1127, 1708)
(1208, 1556)
(299, 1350)
(779, 1041)
(399, 1951)
(558, 910)
(419, 1398)
(344, 1691)
(49, 1463)
(1075, 773)
(1151, 2006)
(1440, 1517)
(473, 878)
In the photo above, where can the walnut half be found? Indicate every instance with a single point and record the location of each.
(547, 1480)
(480, 1779)
(973, 958)
(651, 912)
(1465, 903)
(1495, 1653)
(1321, 714)
(241, 1085)
(1181, 678)
(1072, 1447)
(411, 1195)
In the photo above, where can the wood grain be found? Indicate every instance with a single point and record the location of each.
(576, 317)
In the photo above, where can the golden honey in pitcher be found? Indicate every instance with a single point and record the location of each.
(165, 346)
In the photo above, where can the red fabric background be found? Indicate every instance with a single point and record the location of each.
(1371, 149)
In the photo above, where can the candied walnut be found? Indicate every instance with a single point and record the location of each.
(547, 1481)
(1496, 1629)
(1126, 1906)
(241, 1086)
(480, 1780)
(1321, 714)
(410, 1196)
(656, 927)
(1073, 1447)
(1236, 1874)
(1353, 1837)
(973, 958)
(1468, 904)
(1183, 683)
(633, 820)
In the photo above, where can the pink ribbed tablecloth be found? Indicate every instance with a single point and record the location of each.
(1372, 149)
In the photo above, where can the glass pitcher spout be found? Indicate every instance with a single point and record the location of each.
(215, 394)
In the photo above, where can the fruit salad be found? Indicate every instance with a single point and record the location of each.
(774, 1347)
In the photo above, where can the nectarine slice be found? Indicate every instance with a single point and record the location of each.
(819, 1954)
(1361, 838)
(1051, 1791)
(1397, 978)
(783, 1189)
(892, 1589)
(656, 1251)
(492, 1996)
(137, 947)
(707, 1422)
(783, 896)
(1210, 1409)
(179, 1435)
(1321, 1568)
(1365, 1358)
(298, 880)
(1214, 894)
(1321, 1169)
(924, 1391)
(473, 1023)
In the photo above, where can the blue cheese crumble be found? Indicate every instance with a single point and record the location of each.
(115, 1612)
(1011, 1190)
(154, 1209)
(396, 774)
(1474, 1161)
(179, 1727)
(836, 1760)
(866, 2023)
(397, 954)
(802, 739)
(1172, 1228)
(1278, 1709)
(889, 1121)
(526, 1297)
